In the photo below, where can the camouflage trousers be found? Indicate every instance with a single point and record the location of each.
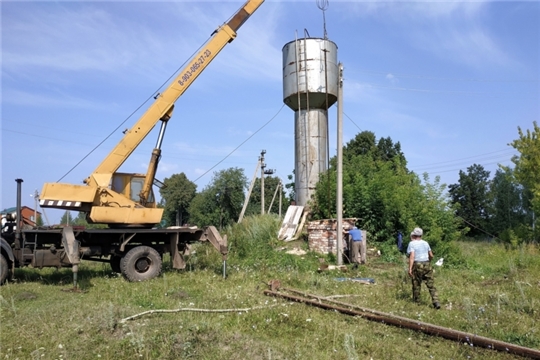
(422, 271)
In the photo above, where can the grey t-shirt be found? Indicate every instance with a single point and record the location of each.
(421, 250)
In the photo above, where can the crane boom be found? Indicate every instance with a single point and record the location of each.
(104, 196)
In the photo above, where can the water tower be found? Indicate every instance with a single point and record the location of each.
(310, 87)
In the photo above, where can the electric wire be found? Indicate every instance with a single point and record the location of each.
(433, 166)
(442, 79)
(455, 92)
(423, 168)
(168, 156)
(137, 109)
(477, 227)
(242, 143)
(470, 157)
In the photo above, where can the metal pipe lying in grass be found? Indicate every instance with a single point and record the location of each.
(460, 336)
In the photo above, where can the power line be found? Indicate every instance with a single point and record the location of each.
(236, 148)
(457, 92)
(133, 112)
(433, 166)
(446, 79)
(137, 152)
(458, 169)
(501, 158)
(470, 157)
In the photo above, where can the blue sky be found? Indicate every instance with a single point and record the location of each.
(451, 81)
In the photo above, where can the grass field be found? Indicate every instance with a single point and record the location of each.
(494, 293)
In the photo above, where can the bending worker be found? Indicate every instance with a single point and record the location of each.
(358, 253)
(420, 255)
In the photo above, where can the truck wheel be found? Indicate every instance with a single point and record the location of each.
(141, 263)
(4, 269)
(115, 263)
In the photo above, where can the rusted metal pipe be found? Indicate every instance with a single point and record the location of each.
(460, 336)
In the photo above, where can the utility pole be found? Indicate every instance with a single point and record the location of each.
(249, 191)
(36, 196)
(280, 191)
(274, 197)
(339, 180)
(263, 165)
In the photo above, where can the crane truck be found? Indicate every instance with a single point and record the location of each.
(124, 202)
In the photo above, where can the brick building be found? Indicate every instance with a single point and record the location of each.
(27, 214)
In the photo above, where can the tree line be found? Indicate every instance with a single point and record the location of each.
(383, 194)
(386, 197)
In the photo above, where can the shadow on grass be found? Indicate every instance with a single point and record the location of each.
(63, 276)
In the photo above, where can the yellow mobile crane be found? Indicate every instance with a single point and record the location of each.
(120, 199)
(123, 201)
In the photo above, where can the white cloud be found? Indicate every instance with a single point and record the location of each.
(206, 150)
(199, 171)
(420, 10)
(74, 37)
(34, 99)
(63, 39)
(474, 47)
(254, 54)
(392, 79)
(166, 168)
(452, 30)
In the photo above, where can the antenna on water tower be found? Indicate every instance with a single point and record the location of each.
(323, 5)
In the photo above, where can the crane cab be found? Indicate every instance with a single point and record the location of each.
(131, 185)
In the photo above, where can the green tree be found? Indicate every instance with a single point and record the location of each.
(176, 197)
(471, 193)
(80, 220)
(66, 219)
(220, 203)
(290, 186)
(507, 197)
(366, 144)
(270, 185)
(386, 197)
(39, 220)
(527, 163)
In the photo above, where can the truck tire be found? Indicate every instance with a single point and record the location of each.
(115, 263)
(141, 263)
(4, 269)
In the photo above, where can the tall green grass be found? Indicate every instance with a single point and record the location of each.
(496, 296)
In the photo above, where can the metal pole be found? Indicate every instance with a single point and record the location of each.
(280, 191)
(339, 184)
(249, 192)
(274, 197)
(19, 218)
(263, 165)
(390, 319)
(35, 207)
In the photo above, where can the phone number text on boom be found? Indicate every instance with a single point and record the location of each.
(194, 67)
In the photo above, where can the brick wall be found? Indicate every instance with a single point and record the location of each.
(322, 236)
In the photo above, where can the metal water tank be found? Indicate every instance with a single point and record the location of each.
(310, 87)
(310, 73)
